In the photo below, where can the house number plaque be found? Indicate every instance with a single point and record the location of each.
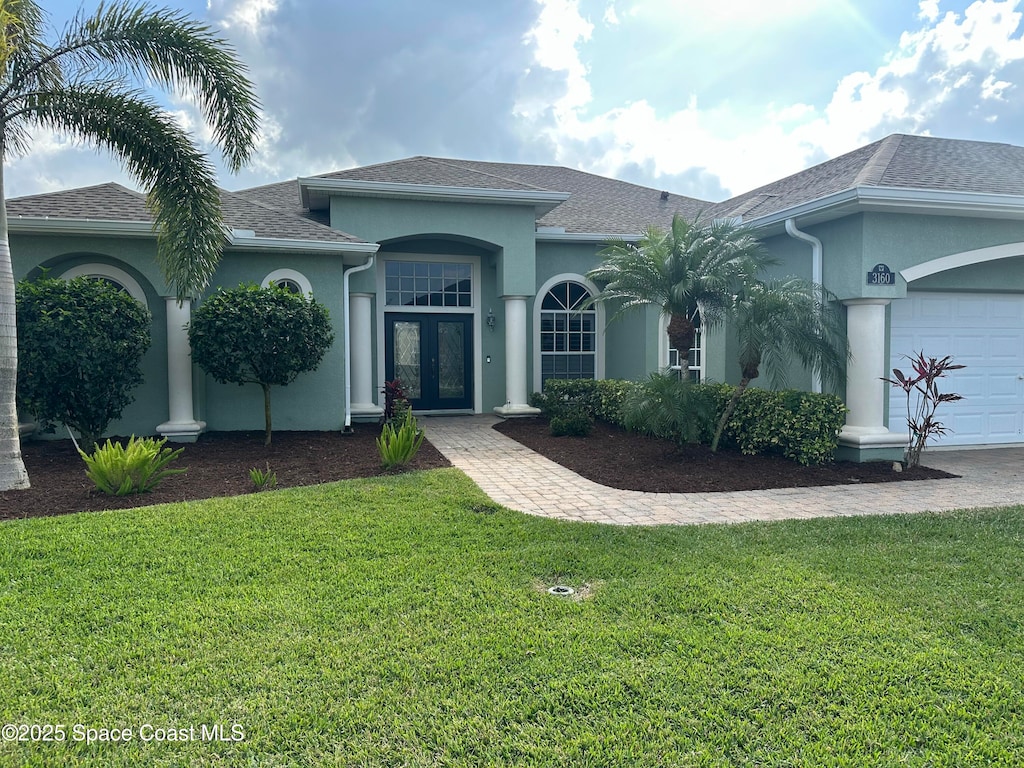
(881, 275)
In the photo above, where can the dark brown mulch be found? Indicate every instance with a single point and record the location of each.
(218, 465)
(620, 459)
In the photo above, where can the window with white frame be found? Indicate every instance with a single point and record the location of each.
(428, 284)
(696, 358)
(290, 280)
(568, 333)
(111, 275)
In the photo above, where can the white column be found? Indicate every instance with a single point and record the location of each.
(515, 359)
(361, 316)
(865, 391)
(182, 426)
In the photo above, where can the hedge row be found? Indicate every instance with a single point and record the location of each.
(801, 426)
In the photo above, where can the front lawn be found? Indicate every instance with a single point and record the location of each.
(405, 621)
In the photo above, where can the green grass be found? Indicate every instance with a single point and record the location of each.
(403, 621)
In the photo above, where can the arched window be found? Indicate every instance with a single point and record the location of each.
(111, 275)
(289, 279)
(568, 333)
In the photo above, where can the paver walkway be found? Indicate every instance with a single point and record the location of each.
(518, 478)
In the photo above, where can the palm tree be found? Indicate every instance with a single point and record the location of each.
(777, 319)
(690, 271)
(79, 84)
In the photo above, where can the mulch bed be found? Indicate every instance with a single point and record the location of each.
(620, 459)
(218, 465)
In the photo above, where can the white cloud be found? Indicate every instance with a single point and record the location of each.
(946, 69)
(559, 29)
(245, 14)
(928, 10)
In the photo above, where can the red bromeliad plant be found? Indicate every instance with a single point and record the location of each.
(396, 399)
(921, 420)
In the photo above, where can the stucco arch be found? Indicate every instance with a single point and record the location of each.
(962, 259)
(109, 272)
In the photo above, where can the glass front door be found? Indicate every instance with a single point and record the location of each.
(432, 354)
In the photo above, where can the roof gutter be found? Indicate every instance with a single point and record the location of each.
(543, 200)
(816, 260)
(897, 200)
(60, 226)
(583, 237)
(345, 288)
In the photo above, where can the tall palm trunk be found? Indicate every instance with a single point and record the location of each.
(12, 469)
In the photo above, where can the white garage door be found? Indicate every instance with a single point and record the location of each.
(985, 332)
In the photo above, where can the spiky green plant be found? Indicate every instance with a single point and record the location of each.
(87, 83)
(399, 444)
(135, 467)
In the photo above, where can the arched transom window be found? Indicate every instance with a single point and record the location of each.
(568, 333)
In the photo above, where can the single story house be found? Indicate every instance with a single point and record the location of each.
(464, 279)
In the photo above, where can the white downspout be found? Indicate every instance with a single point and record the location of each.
(792, 231)
(348, 337)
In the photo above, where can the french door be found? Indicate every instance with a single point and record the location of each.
(432, 354)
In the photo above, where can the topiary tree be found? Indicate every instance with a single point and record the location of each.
(265, 336)
(80, 344)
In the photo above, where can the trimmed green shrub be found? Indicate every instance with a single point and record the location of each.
(265, 336)
(138, 467)
(572, 422)
(672, 408)
(398, 445)
(802, 426)
(80, 347)
(599, 399)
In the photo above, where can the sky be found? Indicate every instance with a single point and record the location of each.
(706, 98)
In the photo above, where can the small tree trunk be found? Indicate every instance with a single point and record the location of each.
(729, 408)
(681, 335)
(266, 412)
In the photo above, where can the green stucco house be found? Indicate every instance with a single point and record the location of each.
(464, 279)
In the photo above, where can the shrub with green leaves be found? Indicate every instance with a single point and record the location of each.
(136, 467)
(399, 441)
(572, 422)
(599, 399)
(802, 426)
(265, 336)
(80, 348)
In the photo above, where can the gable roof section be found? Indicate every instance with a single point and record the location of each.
(595, 204)
(123, 211)
(895, 165)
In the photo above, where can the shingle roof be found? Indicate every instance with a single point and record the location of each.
(596, 204)
(113, 202)
(104, 202)
(897, 161)
(433, 170)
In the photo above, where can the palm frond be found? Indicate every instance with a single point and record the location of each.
(135, 42)
(157, 152)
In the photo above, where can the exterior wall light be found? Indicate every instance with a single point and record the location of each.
(491, 319)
